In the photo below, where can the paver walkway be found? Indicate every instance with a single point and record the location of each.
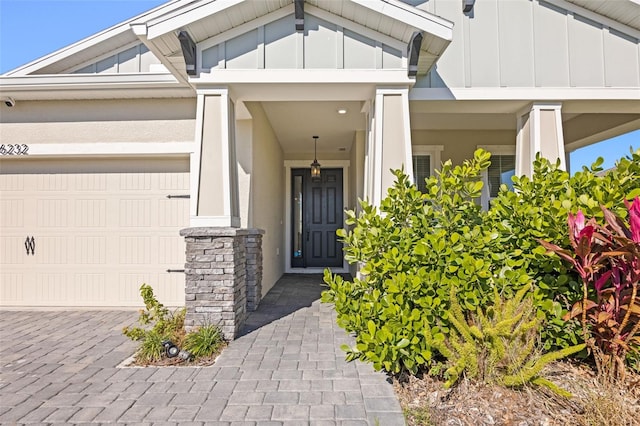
(287, 369)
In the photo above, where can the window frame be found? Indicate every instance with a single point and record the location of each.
(434, 152)
(485, 198)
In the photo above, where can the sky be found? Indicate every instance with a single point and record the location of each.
(30, 29)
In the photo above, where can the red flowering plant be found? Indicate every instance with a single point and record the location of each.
(607, 258)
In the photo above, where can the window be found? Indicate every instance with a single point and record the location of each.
(421, 170)
(425, 159)
(501, 170)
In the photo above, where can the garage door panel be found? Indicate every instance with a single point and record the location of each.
(90, 250)
(135, 213)
(98, 235)
(11, 213)
(53, 287)
(171, 212)
(11, 290)
(53, 213)
(90, 213)
(12, 250)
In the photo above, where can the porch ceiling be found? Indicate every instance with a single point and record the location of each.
(294, 124)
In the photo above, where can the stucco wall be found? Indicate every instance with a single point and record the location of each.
(267, 199)
(144, 120)
(459, 145)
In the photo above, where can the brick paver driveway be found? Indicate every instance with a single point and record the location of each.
(287, 369)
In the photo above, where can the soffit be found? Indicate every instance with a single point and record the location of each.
(624, 11)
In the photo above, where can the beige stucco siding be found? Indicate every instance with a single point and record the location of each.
(531, 44)
(267, 199)
(152, 120)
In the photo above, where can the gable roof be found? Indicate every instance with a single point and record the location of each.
(203, 19)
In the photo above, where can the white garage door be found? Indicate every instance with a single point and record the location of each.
(90, 232)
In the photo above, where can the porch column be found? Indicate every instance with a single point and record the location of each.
(214, 176)
(539, 130)
(388, 141)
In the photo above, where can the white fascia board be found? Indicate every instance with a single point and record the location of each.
(296, 76)
(108, 149)
(86, 43)
(83, 81)
(525, 93)
(411, 16)
(173, 22)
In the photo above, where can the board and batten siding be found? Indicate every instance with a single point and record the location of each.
(531, 43)
(276, 45)
(131, 59)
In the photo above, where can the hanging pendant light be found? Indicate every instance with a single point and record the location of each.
(315, 166)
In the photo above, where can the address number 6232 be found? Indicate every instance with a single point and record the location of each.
(14, 149)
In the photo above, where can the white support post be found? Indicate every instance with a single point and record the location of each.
(539, 131)
(214, 181)
(389, 142)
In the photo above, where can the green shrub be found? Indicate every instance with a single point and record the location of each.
(419, 246)
(536, 209)
(204, 342)
(156, 323)
(411, 255)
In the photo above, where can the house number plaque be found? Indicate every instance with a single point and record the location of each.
(14, 149)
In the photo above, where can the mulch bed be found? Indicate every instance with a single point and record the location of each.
(426, 402)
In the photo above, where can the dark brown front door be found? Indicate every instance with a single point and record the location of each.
(317, 214)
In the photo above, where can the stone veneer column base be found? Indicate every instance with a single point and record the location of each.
(223, 272)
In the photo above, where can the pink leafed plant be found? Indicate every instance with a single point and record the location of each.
(607, 258)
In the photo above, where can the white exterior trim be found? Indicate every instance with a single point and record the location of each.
(377, 149)
(105, 149)
(196, 158)
(410, 16)
(524, 93)
(293, 164)
(433, 151)
(305, 76)
(181, 17)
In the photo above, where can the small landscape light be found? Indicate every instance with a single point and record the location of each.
(170, 349)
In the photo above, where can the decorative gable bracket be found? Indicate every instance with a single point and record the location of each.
(299, 12)
(413, 53)
(188, 51)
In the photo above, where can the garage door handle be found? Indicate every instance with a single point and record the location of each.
(30, 245)
(175, 270)
(178, 196)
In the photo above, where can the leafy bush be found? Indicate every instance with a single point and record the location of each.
(411, 254)
(607, 258)
(419, 246)
(537, 209)
(157, 323)
(498, 344)
(204, 342)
